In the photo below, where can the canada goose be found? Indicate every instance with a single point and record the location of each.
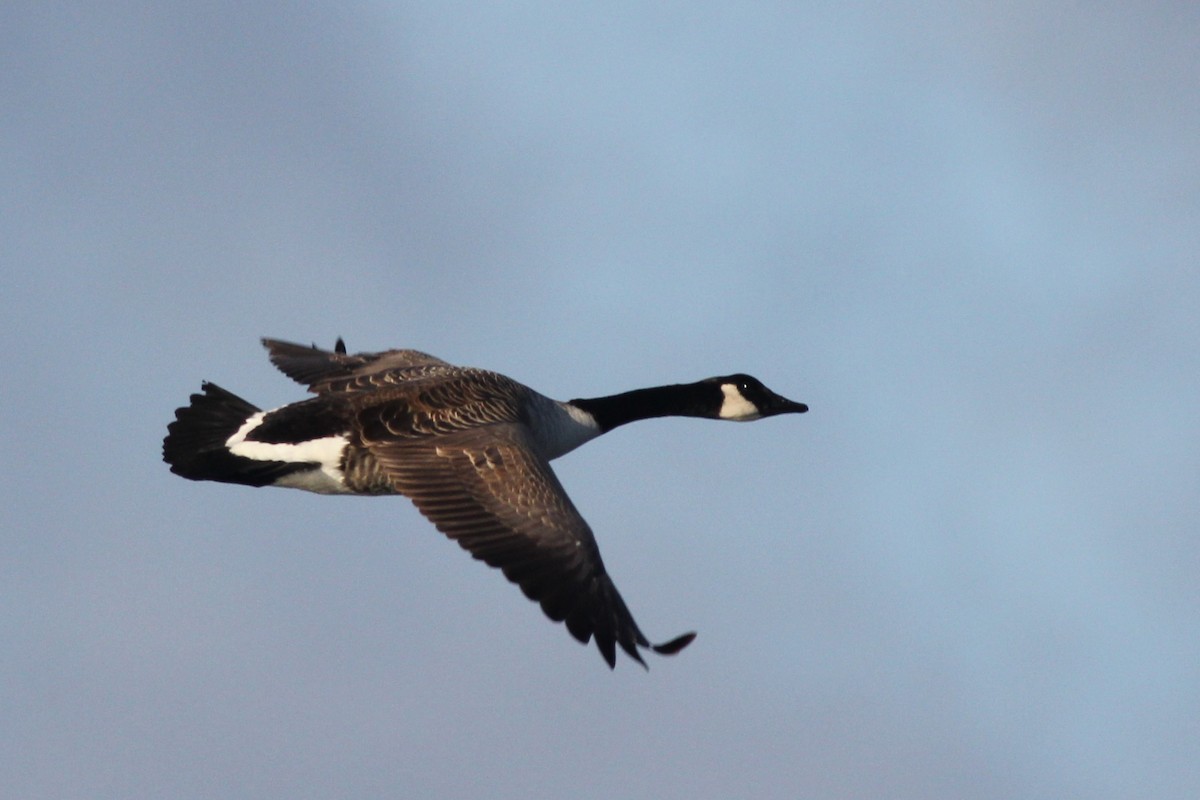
(470, 448)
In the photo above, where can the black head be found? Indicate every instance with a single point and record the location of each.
(744, 398)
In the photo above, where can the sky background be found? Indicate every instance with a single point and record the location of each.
(965, 234)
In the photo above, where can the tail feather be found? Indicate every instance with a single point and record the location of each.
(195, 445)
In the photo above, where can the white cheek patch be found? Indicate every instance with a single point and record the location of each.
(326, 451)
(735, 406)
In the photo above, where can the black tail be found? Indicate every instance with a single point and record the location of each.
(195, 443)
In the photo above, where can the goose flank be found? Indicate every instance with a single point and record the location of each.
(469, 447)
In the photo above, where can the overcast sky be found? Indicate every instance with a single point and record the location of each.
(966, 235)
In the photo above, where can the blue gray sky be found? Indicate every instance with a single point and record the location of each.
(966, 235)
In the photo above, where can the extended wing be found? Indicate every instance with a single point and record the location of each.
(323, 371)
(503, 504)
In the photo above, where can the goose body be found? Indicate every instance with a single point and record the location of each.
(470, 447)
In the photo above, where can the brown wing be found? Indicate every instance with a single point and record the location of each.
(322, 370)
(486, 489)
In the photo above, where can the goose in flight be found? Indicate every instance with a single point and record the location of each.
(469, 447)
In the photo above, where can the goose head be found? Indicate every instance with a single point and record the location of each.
(744, 398)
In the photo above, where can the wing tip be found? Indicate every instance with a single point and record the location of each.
(668, 648)
(675, 645)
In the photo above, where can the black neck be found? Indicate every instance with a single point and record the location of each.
(678, 400)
